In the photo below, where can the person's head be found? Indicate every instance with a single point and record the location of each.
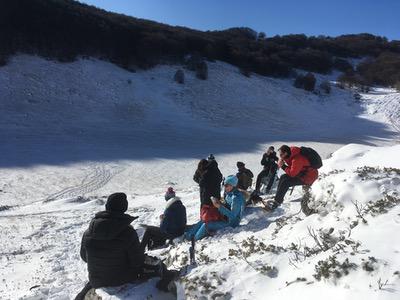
(117, 202)
(270, 149)
(284, 152)
(240, 165)
(170, 193)
(230, 183)
(211, 157)
(202, 164)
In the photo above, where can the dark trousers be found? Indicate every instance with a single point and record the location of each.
(153, 237)
(285, 182)
(265, 173)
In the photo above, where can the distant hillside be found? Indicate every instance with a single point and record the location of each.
(66, 29)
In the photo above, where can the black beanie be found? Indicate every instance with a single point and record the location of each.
(117, 202)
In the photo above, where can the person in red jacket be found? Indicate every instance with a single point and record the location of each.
(298, 172)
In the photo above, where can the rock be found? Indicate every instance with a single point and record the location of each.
(179, 76)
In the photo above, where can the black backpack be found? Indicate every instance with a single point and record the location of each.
(312, 156)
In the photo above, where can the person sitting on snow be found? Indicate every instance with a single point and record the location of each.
(268, 162)
(298, 171)
(231, 212)
(111, 249)
(244, 175)
(172, 225)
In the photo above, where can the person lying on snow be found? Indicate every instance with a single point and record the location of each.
(172, 223)
(300, 165)
(111, 249)
(221, 216)
(270, 167)
(244, 175)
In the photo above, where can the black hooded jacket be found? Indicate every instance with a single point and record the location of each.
(111, 249)
(210, 183)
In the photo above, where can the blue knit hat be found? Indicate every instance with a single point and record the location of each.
(231, 180)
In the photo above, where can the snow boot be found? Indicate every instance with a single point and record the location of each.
(271, 205)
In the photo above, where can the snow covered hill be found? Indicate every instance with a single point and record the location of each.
(74, 133)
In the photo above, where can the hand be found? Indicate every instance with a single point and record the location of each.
(162, 217)
(216, 202)
(280, 163)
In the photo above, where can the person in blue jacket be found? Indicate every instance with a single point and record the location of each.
(172, 223)
(232, 210)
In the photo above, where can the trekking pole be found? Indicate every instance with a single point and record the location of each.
(192, 252)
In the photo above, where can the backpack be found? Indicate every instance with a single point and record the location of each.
(312, 156)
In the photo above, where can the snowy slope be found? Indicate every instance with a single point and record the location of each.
(74, 133)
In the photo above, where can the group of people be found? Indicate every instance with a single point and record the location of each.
(111, 247)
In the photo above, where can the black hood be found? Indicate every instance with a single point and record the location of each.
(108, 225)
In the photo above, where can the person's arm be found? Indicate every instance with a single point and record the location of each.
(196, 177)
(234, 211)
(167, 218)
(135, 252)
(204, 179)
(250, 173)
(83, 248)
(275, 158)
(294, 169)
(264, 159)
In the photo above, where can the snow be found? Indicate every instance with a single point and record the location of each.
(74, 133)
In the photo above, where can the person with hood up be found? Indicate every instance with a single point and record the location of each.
(172, 223)
(232, 212)
(111, 249)
(210, 182)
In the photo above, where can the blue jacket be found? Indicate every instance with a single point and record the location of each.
(174, 221)
(236, 204)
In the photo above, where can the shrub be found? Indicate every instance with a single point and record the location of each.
(342, 65)
(397, 86)
(325, 86)
(179, 76)
(202, 70)
(306, 82)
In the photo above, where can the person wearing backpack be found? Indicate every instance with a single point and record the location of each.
(300, 165)
(244, 175)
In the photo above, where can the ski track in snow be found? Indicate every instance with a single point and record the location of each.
(47, 206)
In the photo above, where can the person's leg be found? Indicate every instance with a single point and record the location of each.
(260, 176)
(284, 183)
(191, 231)
(271, 178)
(153, 234)
(214, 226)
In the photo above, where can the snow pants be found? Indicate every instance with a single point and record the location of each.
(201, 230)
(285, 182)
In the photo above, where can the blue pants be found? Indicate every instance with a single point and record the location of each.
(201, 229)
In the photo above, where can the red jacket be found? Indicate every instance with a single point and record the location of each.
(299, 166)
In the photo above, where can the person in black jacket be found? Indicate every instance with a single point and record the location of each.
(210, 182)
(172, 225)
(270, 167)
(244, 175)
(111, 249)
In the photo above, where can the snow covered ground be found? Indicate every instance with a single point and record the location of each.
(74, 133)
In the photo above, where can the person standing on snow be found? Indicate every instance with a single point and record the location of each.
(111, 249)
(232, 211)
(210, 181)
(172, 225)
(298, 169)
(268, 162)
(244, 175)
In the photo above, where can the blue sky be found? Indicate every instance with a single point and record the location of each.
(312, 17)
